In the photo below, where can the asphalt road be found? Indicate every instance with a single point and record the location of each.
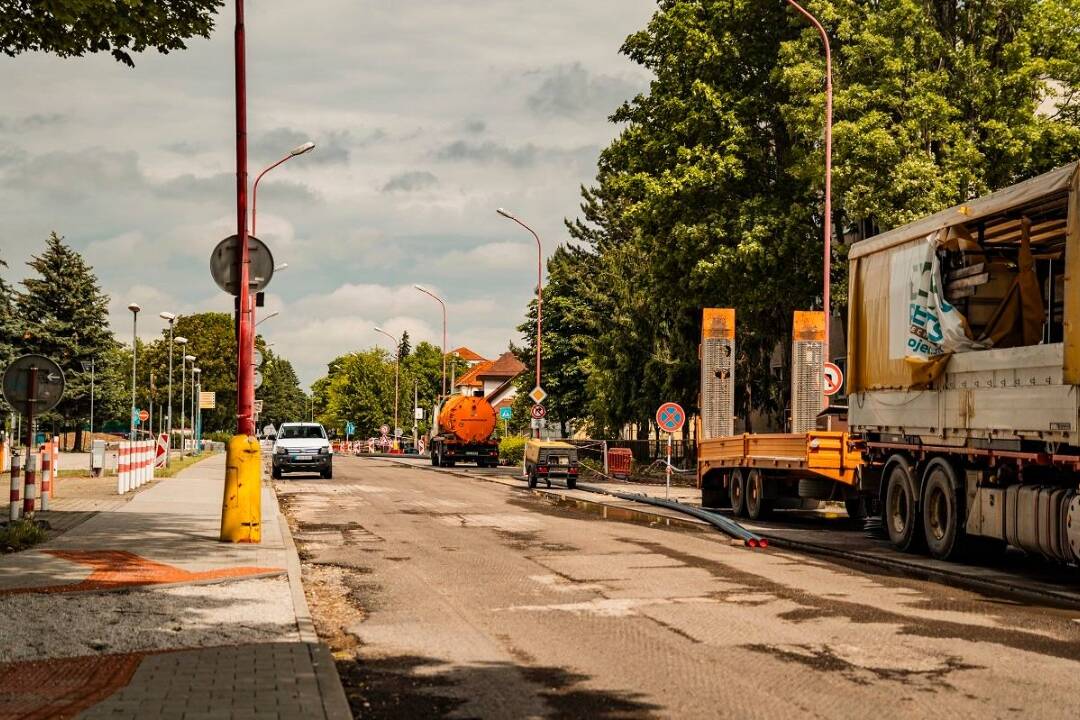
(452, 597)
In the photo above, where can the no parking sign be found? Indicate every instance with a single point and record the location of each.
(670, 417)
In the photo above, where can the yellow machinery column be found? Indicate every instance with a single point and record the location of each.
(241, 510)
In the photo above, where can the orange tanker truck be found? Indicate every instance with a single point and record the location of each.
(463, 433)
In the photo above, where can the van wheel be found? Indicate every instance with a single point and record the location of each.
(737, 491)
(941, 513)
(757, 506)
(900, 513)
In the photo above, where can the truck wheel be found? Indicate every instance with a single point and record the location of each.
(433, 457)
(713, 494)
(900, 513)
(855, 504)
(941, 513)
(737, 491)
(532, 479)
(571, 483)
(757, 506)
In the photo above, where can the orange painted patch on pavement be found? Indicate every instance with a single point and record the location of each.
(114, 569)
(62, 688)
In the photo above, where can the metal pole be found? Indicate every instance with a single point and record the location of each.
(183, 401)
(92, 362)
(828, 168)
(150, 420)
(245, 376)
(415, 426)
(134, 354)
(168, 445)
(31, 457)
(667, 491)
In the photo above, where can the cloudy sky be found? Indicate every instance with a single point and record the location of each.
(428, 115)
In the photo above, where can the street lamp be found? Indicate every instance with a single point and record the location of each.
(271, 315)
(171, 319)
(181, 341)
(194, 409)
(298, 150)
(183, 369)
(440, 301)
(828, 164)
(397, 371)
(89, 366)
(539, 289)
(134, 308)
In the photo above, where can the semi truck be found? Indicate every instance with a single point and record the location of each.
(963, 385)
(463, 433)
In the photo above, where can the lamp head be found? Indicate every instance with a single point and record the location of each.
(189, 358)
(379, 329)
(167, 316)
(134, 307)
(301, 149)
(180, 340)
(506, 214)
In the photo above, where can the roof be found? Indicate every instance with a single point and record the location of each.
(472, 377)
(1051, 183)
(466, 354)
(507, 366)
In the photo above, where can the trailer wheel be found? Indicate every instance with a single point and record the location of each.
(737, 492)
(532, 479)
(941, 513)
(900, 513)
(757, 506)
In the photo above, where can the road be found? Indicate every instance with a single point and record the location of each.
(454, 597)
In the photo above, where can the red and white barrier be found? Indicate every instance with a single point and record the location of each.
(30, 484)
(135, 465)
(46, 474)
(16, 486)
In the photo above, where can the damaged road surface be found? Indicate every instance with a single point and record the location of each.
(449, 597)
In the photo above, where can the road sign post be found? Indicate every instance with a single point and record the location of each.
(36, 384)
(670, 418)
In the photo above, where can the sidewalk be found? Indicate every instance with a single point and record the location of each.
(139, 612)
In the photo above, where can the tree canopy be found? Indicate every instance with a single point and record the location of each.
(73, 28)
(711, 195)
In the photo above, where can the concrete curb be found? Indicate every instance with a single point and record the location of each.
(335, 702)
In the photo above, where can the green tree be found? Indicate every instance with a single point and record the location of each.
(711, 194)
(68, 323)
(73, 28)
(361, 391)
(283, 399)
(404, 346)
(10, 332)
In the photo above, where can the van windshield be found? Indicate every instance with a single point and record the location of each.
(307, 432)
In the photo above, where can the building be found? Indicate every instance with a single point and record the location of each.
(494, 379)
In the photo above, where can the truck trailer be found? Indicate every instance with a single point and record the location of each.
(464, 433)
(963, 384)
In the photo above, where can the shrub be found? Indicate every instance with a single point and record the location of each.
(20, 535)
(512, 450)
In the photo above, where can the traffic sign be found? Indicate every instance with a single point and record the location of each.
(223, 262)
(834, 378)
(670, 417)
(506, 413)
(135, 420)
(258, 407)
(537, 395)
(207, 399)
(48, 383)
(384, 430)
(397, 432)
(538, 411)
(144, 415)
(349, 428)
(258, 379)
(256, 357)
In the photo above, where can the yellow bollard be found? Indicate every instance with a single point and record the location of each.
(241, 511)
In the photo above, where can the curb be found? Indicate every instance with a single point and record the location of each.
(332, 692)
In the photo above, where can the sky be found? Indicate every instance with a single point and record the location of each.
(427, 114)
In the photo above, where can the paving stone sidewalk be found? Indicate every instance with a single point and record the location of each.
(139, 612)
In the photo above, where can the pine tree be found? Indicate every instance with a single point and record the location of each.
(66, 319)
(9, 331)
(405, 346)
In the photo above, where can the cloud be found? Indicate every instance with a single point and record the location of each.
(522, 156)
(29, 123)
(330, 147)
(572, 91)
(475, 126)
(411, 182)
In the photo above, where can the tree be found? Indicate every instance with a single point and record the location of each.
(361, 391)
(283, 399)
(73, 28)
(404, 347)
(711, 194)
(68, 323)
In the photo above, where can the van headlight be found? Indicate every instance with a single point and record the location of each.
(324, 451)
(280, 450)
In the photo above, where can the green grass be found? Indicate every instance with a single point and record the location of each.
(20, 535)
(180, 463)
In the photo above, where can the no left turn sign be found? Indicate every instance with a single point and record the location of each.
(538, 412)
(834, 378)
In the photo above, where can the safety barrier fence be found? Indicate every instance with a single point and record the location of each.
(33, 477)
(135, 465)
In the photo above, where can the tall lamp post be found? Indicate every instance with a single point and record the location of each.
(397, 372)
(440, 301)
(539, 289)
(828, 164)
(182, 342)
(195, 374)
(298, 150)
(171, 319)
(183, 378)
(134, 308)
(271, 315)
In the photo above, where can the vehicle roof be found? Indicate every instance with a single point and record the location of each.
(313, 424)
(1055, 181)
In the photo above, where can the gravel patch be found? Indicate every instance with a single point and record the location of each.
(190, 616)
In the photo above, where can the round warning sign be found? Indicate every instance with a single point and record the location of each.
(670, 417)
(834, 378)
(538, 412)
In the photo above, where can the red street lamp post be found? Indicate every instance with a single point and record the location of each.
(298, 150)
(828, 163)
(245, 375)
(539, 289)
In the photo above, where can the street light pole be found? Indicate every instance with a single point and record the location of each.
(271, 315)
(194, 405)
(181, 341)
(828, 164)
(171, 319)
(245, 376)
(134, 308)
(539, 290)
(397, 372)
(298, 150)
(440, 301)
